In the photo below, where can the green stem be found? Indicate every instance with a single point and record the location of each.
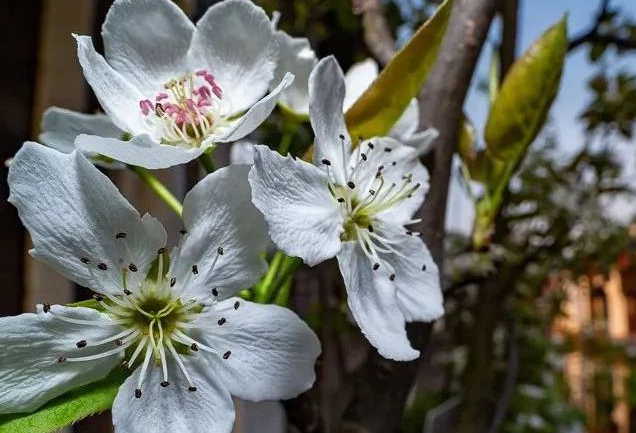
(158, 187)
(264, 286)
(289, 130)
(206, 161)
(288, 268)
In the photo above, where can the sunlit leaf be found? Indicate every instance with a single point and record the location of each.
(526, 94)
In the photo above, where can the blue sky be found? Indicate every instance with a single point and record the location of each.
(535, 17)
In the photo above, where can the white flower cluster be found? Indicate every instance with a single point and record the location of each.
(171, 90)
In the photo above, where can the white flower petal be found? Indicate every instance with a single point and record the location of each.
(408, 122)
(254, 116)
(31, 345)
(235, 41)
(119, 98)
(218, 213)
(303, 219)
(397, 161)
(263, 416)
(423, 141)
(373, 303)
(147, 42)
(173, 408)
(242, 152)
(417, 279)
(272, 351)
(326, 94)
(60, 127)
(74, 212)
(142, 150)
(358, 79)
(297, 57)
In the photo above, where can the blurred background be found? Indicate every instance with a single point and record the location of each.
(561, 319)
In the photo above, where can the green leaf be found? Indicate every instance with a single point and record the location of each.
(66, 409)
(382, 104)
(526, 94)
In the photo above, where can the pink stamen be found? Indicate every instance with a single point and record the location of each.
(146, 106)
(161, 96)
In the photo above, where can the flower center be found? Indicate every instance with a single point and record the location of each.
(367, 194)
(152, 322)
(186, 111)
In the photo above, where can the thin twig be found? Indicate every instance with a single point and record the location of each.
(377, 32)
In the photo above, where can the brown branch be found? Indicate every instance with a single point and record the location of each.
(377, 32)
(382, 388)
(595, 34)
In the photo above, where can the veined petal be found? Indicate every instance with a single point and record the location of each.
(142, 150)
(396, 161)
(358, 79)
(31, 346)
(373, 303)
(235, 41)
(297, 57)
(303, 219)
(79, 222)
(174, 408)
(272, 351)
(255, 115)
(60, 127)
(119, 98)
(147, 41)
(326, 96)
(225, 236)
(408, 122)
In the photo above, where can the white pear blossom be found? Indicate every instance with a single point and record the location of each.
(175, 88)
(61, 126)
(297, 57)
(173, 324)
(354, 204)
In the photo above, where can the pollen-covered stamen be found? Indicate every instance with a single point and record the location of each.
(186, 111)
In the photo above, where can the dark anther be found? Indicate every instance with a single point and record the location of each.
(61, 359)
(392, 277)
(192, 388)
(219, 251)
(183, 231)
(376, 266)
(342, 136)
(378, 175)
(127, 292)
(120, 235)
(161, 250)
(371, 146)
(227, 354)
(221, 321)
(137, 393)
(159, 110)
(81, 343)
(195, 269)
(215, 292)
(363, 156)
(132, 267)
(236, 305)
(417, 185)
(387, 149)
(85, 260)
(173, 281)
(194, 347)
(118, 342)
(46, 307)
(102, 266)
(423, 267)
(394, 163)
(351, 184)
(408, 232)
(164, 383)
(370, 228)
(380, 168)
(372, 192)
(98, 297)
(341, 200)
(326, 162)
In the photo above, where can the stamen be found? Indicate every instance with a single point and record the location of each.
(227, 354)
(120, 235)
(177, 358)
(102, 266)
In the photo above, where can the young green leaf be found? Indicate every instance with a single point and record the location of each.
(375, 112)
(68, 408)
(522, 104)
